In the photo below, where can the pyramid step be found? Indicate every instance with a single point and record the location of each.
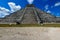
(29, 17)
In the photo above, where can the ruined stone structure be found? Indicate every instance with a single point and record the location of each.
(29, 15)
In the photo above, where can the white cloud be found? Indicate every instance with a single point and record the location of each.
(4, 11)
(30, 1)
(14, 7)
(48, 11)
(46, 7)
(57, 4)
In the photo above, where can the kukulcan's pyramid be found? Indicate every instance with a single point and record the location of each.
(29, 15)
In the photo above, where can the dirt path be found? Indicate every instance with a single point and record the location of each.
(29, 33)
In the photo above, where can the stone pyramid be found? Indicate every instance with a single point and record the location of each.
(29, 15)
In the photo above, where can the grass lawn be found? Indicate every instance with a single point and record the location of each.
(30, 25)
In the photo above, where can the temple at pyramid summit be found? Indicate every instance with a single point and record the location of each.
(29, 15)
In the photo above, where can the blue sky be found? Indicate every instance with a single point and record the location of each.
(10, 6)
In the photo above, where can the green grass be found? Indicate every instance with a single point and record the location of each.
(30, 25)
